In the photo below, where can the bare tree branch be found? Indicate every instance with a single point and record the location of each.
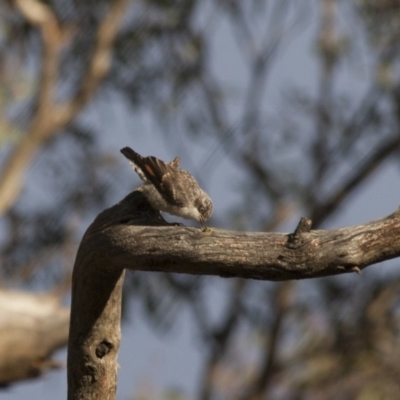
(100, 62)
(328, 47)
(41, 15)
(266, 256)
(261, 382)
(222, 335)
(50, 117)
(367, 166)
(132, 235)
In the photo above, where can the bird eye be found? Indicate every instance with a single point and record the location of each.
(201, 210)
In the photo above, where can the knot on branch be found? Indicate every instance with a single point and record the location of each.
(103, 348)
(303, 226)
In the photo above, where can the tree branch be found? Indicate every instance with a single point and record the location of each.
(50, 117)
(260, 384)
(100, 62)
(366, 167)
(266, 256)
(132, 235)
(221, 337)
(32, 327)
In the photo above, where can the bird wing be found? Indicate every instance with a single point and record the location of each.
(152, 170)
(169, 186)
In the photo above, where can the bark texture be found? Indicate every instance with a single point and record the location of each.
(130, 235)
(122, 239)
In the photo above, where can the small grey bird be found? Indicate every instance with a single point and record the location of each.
(169, 188)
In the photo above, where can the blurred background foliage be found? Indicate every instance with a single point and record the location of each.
(302, 146)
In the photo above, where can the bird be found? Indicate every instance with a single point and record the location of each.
(169, 188)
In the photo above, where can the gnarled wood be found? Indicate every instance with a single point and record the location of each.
(266, 256)
(131, 235)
